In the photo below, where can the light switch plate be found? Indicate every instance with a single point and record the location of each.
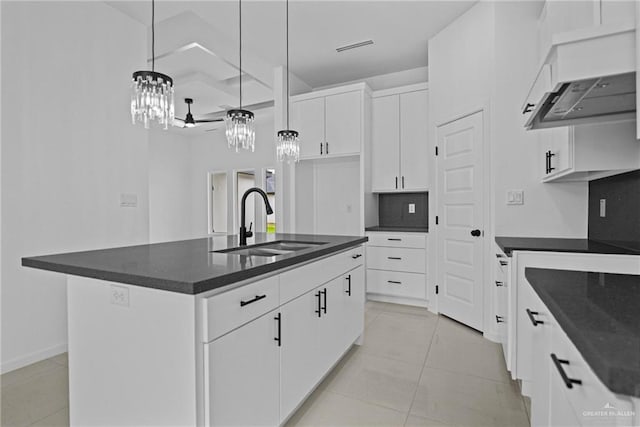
(603, 208)
(412, 208)
(119, 295)
(515, 197)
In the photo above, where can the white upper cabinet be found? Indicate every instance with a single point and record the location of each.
(385, 133)
(587, 152)
(399, 139)
(330, 123)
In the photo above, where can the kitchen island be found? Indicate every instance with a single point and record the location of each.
(196, 332)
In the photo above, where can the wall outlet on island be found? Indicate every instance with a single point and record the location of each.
(119, 295)
(412, 208)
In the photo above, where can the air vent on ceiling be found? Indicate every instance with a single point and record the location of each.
(354, 45)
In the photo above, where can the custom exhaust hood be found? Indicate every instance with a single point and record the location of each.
(588, 76)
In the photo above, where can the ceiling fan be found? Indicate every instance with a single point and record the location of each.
(189, 121)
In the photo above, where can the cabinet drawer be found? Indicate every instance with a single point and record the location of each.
(296, 282)
(396, 259)
(227, 311)
(591, 395)
(412, 285)
(396, 240)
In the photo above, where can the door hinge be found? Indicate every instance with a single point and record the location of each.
(437, 289)
(436, 150)
(436, 219)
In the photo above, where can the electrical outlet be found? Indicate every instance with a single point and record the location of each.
(119, 295)
(128, 200)
(515, 197)
(603, 208)
(412, 208)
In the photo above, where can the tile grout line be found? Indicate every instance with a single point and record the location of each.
(426, 357)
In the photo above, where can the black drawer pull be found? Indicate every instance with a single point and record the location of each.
(569, 382)
(348, 291)
(499, 283)
(395, 282)
(394, 240)
(504, 263)
(394, 257)
(499, 256)
(257, 298)
(535, 321)
(499, 319)
(319, 310)
(528, 108)
(356, 256)
(321, 148)
(278, 319)
(324, 292)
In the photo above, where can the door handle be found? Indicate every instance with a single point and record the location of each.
(476, 233)
(532, 315)
(528, 108)
(396, 182)
(321, 148)
(319, 310)
(551, 168)
(403, 182)
(348, 291)
(326, 148)
(324, 292)
(498, 283)
(278, 339)
(569, 382)
(499, 319)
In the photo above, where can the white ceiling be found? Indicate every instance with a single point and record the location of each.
(207, 69)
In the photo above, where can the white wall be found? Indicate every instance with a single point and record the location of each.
(68, 151)
(554, 210)
(169, 186)
(209, 153)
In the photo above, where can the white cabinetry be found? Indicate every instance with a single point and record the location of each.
(501, 291)
(396, 267)
(399, 139)
(587, 152)
(328, 124)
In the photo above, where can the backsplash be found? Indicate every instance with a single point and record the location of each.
(393, 210)
(622, 212)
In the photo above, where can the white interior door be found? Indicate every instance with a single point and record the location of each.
(460, 208)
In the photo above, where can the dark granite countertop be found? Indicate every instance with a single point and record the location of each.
(548, 244)
(398, 229)
(599, 313)
(188, 266)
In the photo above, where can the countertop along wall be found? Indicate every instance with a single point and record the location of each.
(68, 151)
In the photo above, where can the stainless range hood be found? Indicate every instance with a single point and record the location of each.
(588, 76)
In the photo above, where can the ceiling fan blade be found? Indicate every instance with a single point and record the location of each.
(208, 120)
(178, 122)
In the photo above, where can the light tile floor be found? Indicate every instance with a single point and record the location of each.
(414, 369)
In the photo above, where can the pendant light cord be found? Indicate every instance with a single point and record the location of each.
(287, 32)
(153, 35)
(240, 50)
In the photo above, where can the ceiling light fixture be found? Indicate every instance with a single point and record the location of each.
(240, 123)
(354, 46)
(152, 92)
(287, 144)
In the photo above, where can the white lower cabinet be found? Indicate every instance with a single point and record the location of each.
(261, 371)
(244, 375)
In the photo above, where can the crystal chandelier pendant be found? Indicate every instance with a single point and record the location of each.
(240, 132)
(288, 146)
(152, 98)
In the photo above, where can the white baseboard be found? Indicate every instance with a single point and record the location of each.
(28, 359)
(398, 300)
(491, 336)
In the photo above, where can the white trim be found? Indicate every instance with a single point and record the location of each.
(36, 356)
(356, 87)
(398, 300)
(400, 89)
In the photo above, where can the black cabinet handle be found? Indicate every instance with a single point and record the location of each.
(546, 162)
(528, 108)
(504, 263)
(476, 233)
(324, 308)
(319, 310)
(403, 182)
(326, 148)
(394, 240)
(498, 283)
(356, 256)
(549, 155)
(395, 282)
(499, 256)
(348, 291)
(321, 148)
(396, 182)
(257, 298)
(569, 382)
(499, 319)
(278, 319)
(394, 257)
(532, 315)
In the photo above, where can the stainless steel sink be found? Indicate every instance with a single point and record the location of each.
(281, 247)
